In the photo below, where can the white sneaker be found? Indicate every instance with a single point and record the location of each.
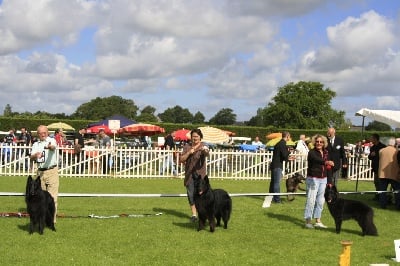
(309, 226)
(320, 225)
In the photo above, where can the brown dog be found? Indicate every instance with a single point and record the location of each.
(293, 184)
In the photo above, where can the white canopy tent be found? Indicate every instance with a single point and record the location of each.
(389, 117)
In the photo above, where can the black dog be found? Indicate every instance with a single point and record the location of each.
(293, 184)
(40, 206)
(211, 204)
(345, 209)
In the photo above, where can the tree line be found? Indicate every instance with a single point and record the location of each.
(302, 105)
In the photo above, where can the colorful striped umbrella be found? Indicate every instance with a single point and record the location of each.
(62, 125)
(182, 134)
(273, 142)
(214, 135)
(141, 130)
(96, 129)
(274, 135)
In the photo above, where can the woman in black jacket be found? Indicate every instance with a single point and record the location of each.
(319, 165)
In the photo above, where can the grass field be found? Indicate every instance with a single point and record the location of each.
(255, 236)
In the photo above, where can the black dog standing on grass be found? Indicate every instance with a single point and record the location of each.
(345, 209)
(293, 184)
(211, 204)
(40, 206)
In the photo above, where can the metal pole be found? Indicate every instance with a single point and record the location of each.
(362, 127)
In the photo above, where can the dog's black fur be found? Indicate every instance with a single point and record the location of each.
(293, 184)
(345, 209)
(222, 206)
(211, 204)
(40, 206)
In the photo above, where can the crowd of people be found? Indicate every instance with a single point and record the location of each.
(24, 138)
(327, 161)
(326, 158)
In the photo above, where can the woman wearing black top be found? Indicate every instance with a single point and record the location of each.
(319, 164)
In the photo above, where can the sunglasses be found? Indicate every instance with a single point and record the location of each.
(319, 141)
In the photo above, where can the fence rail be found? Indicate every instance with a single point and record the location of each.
(124, 162)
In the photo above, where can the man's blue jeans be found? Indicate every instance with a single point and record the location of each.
(275, 185)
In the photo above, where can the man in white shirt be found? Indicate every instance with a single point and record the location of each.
(44, 154)
(301, 146)
(257, 141)
(302, 150)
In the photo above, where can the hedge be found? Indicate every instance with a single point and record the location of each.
(350, 136)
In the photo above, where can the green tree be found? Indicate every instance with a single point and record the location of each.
(176, 115)
(42, 115)
(100, 108)
(7, 110)
(147, 114)
(302, 105)
(225, 116)
(377, 126)
(257, 120)
(37, 115)
(199, 118)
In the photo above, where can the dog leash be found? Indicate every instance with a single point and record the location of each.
(125, 215)
(14, 214)
(24, 214)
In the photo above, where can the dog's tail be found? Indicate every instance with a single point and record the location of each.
(370, 227)
(229, 205)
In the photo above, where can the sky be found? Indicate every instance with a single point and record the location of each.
(202, 55)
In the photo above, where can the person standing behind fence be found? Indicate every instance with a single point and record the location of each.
(194, 157)
(44, 154)
(24, 140)
(9, 141)
(60, 137)
(79, 144)
(337, 153)
(319, 164)
(104, 142)
(389, 173)
(280, 154)
(257, 141)
(302, 149)
(301, 145)
(168, 164)
(374, 157)
(358, 153)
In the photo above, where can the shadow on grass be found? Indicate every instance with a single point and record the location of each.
(178, 214)
(172, 212)
(24, 227)
(257, 198)
(350, 231)
(189, 225)
(286, 218)
(301, 223)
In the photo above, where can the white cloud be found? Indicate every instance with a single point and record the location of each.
(272, 8)
(354, 42)
(25, 23)
(204, 55)
(359, 58)
(388, 101)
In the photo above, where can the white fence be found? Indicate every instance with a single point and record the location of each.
(122, 162)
